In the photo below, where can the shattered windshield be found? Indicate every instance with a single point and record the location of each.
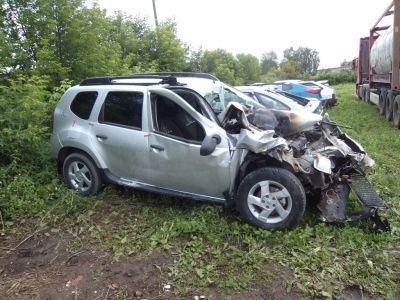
(218, 94)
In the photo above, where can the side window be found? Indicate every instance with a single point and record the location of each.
(191, 99)
(252, 95)
(286, 86)
(172, 120)
(83, 103)
(123, 108)
(231, 97)
(271, 103)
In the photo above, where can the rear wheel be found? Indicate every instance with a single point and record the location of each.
(367, 94)
(382, 102)
(389, 106)
(81, 174)
(271, 198)
(396, 111)
(361, 93)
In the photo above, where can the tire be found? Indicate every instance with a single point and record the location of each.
(361, 93)
(382, 101)
(389, 106)
(367, 94)
(396, 112)
(282, 205)
(81, 174)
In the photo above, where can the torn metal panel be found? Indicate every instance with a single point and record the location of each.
(333, 203)
(323, 164)
(259, 141)
(285, 123)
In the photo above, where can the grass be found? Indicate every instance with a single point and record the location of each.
(214, 248)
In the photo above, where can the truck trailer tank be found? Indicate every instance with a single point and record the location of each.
(381, 53)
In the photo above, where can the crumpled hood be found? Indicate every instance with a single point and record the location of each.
(284, 123)
(304, 140)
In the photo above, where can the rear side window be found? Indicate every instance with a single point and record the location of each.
(83, 103)
(123, 109)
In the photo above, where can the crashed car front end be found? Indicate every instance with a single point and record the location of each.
(328, 162)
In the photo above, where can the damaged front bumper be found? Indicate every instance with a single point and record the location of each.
(334, 201)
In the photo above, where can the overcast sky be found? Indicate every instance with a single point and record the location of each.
(332, 27)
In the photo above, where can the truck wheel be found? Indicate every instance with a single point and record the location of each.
(382, 102)
(361, 93)
(271, 198)
(81, 174)
(367, 94)
(396, 112)
(389, 106)
(358, 92)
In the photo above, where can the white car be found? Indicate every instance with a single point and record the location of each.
(280, 100)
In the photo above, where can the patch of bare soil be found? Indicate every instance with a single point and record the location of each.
(40, 267)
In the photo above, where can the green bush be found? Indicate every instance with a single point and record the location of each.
(336, 77)
(28, 182)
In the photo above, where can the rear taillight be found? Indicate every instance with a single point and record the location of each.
(313, 90)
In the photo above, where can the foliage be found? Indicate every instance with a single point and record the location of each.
(24, 121)
(28, 187)
(306, 58)
(269, 61)
(249, 68)
(65, 39)
(336, 77)
(220, 63)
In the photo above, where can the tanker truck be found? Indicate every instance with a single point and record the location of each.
(378, 65)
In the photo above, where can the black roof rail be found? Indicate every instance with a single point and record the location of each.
(179, 74)
(110, 80)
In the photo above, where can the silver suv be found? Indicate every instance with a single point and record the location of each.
(190, 135)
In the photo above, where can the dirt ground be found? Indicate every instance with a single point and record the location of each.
(40, 267)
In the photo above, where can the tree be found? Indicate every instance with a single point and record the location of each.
(165, 48)
(306, 58)
(289, 70)
(195, 60)
(66, 39)
(269, 61)
(249, 67)
(58, 38)
(221, 63)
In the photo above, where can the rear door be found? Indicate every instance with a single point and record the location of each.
(119, 137)
(177, 131)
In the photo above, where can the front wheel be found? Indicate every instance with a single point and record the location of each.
(271, 198)
(81, 174)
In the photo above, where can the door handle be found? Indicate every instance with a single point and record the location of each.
(157, 147)
(101, 137)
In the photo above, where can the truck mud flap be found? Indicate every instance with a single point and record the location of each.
(370, 201)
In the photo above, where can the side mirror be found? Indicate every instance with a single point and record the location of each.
(209, 144)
